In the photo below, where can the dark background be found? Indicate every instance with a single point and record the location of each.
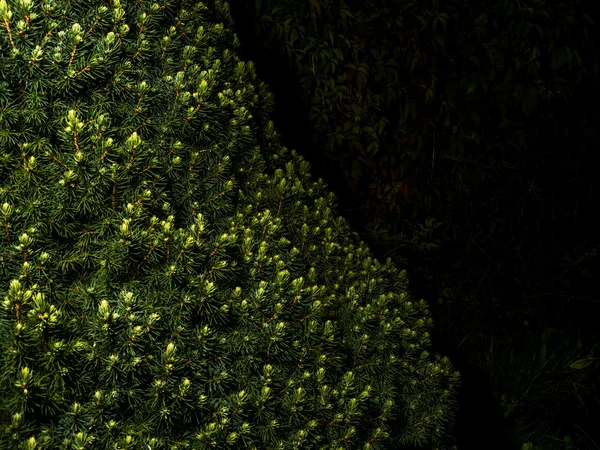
(538, 296)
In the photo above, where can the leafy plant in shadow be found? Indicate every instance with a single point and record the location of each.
(458, 138)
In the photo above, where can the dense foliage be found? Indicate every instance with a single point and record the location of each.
(170, 275)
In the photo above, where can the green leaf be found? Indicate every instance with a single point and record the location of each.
(519, 92)
(405, 111)
(481, 20)
(559, 58)
(443, 17)
(588, 18)
(414, 62)
(364, 68)
(428, 96)
(317, 6)
(278, 8)
(293, 36)
(312, 42)
(346, 13)
(362, 80)
(441, 43)
(373, 148)
(287, 24)
(581, 363)
(472, 87)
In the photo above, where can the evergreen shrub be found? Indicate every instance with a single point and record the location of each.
(170, 276)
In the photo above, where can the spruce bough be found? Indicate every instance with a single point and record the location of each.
(170, 276)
